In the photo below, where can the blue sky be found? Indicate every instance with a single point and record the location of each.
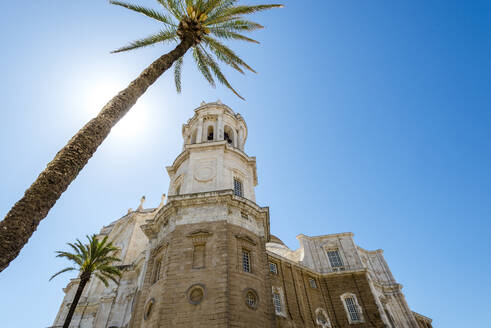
(366, 116)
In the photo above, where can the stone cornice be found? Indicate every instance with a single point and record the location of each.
(422, 317)
(342, 234)
(174, 203)
(377, 251)
(246, 239)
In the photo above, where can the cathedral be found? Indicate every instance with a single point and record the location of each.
(205, 256)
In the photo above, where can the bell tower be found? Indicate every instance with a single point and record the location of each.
(206, 263)
(213, 156)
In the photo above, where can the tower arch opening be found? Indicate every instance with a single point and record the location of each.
(194, 136)
(209, 133)
(228, 134)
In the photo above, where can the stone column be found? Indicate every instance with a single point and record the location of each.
(219, 133)
(240, 142)
(199, 136)
(236, 136)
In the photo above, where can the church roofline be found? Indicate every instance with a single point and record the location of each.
(342, 234)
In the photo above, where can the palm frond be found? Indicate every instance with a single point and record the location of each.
(102, 278)
(245, 10)
(216, 8)
(218, 73)
(162, 36)
(235, 12)
(178, 73)
(72, 257)
(238, 25)
(224, 53)
(146, 11)
(201, 61)
(110, 277)
(173, 7)
(225, 34)
(61, 271)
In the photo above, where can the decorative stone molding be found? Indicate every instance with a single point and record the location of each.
(246, 239)
(196, 293)
(199, 236)
(158, 248)
(279, 291)
(321, 318)
(251, 298)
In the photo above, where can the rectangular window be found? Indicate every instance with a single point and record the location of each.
(246, 261)
(272, 268)
(199, 256)
(277, 302)
(244, 215)
(334, 258)
(312, 283)
(238, 187)
(352, 309)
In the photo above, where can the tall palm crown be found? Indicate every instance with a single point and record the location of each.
(94, 258)
(205, 22)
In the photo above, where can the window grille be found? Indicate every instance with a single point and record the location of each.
(277, 302)
(313, 283)
(352, 309)
(246, 261)
(335, 258)
(238, 187)
(272, 268)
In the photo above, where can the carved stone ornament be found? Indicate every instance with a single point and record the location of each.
(246, 238)
(199, 236)
(196, 293)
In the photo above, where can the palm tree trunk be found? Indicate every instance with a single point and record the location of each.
(84, 279)
(23, 218)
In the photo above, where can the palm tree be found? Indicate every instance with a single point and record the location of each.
(94, 258)
(192, 24)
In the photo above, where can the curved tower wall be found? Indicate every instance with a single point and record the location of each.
(213, 156)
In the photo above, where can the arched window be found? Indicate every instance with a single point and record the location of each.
(178, 189)
(209, 135)
(228, 135)
(193, 137)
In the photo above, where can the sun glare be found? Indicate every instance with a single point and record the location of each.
(131, 125)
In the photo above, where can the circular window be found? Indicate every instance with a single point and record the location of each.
(251, 298)
(148, 309)
(196, 293)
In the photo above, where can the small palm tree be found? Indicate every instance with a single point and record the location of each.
(94, 258)
(192, 24)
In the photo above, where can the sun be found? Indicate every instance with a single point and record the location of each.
(131, 125)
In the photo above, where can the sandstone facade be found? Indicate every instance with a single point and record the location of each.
(206, 258)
